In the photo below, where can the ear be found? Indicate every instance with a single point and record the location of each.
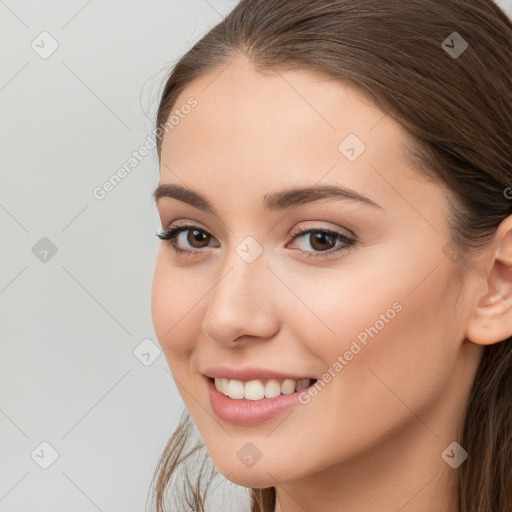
(491, 318)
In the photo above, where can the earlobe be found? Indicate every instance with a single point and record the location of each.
(491, 319)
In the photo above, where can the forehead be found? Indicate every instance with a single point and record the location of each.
(274, 129)
(238, 100)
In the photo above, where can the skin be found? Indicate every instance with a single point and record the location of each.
(372, 438)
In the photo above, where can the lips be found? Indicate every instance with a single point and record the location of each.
(240, 395)
(252, 373)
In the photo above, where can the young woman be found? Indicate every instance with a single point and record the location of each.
(333, 292)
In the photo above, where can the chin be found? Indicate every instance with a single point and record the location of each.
(263, 473)
(250, 477)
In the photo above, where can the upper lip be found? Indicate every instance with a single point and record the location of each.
(250, 373)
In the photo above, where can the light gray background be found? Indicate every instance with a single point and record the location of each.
(70, 325)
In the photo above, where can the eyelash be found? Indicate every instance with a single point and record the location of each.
(169, 235)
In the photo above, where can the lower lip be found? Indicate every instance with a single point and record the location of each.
(250, 412)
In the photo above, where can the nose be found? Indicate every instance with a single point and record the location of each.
(243, 302)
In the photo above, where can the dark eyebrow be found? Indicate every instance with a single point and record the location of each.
(272, 201)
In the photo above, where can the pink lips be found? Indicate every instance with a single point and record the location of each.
(250, 373)
(249, 412)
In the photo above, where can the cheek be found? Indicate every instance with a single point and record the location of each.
(397, 322)
(175, 304)
(393, 344)
(397, 309)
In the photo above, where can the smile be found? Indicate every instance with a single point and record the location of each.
(256, 401)
(259, 389)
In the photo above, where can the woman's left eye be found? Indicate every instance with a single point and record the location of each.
(319, 238)
(322, 240)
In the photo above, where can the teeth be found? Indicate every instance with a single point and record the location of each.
(256, 390)
(235, 389)
(272, 388)
(288, 387)
(301, 384)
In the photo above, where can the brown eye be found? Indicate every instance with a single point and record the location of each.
(197, 238)
(321, 241)
(187, 239)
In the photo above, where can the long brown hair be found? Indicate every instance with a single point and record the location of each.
(457, 110)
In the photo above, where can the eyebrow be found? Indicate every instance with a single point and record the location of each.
(272, 201)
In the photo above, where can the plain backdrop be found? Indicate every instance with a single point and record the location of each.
(86, 399)
(76, 271)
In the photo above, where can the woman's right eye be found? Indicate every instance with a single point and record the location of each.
(196, 235)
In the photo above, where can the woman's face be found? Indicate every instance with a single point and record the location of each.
(368, 303)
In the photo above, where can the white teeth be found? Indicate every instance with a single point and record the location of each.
(256, 390)
(272, 388)
(235, 389)
(288, 387)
